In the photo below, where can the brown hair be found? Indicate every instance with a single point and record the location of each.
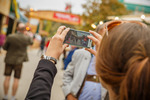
(123, 61)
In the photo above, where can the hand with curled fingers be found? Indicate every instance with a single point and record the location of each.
(56, 45)
(96, 38)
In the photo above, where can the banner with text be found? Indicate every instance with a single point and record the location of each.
(67, 17)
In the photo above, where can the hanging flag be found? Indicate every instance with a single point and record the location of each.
(16, 9)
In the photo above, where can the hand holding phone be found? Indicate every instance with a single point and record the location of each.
(78, 38)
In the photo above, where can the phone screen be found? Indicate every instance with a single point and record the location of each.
(78, 38)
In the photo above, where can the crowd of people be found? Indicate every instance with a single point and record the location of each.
(117, 67)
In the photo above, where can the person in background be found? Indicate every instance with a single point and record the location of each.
(80, 81)
(47, 43)
(64, 56)
(16, 47)
(42, 45)
(68, 59)
(2, 40)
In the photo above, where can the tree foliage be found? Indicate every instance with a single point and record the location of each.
(98, 10)
(111, 8)
(55, 25)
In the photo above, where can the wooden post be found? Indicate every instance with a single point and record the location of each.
(14, 26)
(41, 25)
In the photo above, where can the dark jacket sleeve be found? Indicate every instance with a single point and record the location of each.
(40, 88)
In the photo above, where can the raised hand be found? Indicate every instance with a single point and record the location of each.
(96, 38)
(56, 45)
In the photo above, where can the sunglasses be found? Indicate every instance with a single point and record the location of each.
(110, 25)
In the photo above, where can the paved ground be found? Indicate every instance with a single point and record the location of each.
(27, 75)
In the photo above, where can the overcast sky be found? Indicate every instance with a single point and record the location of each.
(58, 5)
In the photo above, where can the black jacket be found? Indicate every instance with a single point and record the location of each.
(40, 88)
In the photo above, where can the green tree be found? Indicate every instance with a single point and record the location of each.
(111, 8)
(97, 10)
(90, 14)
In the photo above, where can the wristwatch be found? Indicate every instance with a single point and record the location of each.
(49, 58)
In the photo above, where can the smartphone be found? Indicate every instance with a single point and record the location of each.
(78, 38)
